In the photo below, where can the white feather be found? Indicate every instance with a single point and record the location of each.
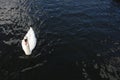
(31, 38)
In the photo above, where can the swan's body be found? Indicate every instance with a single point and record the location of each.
(29, 42)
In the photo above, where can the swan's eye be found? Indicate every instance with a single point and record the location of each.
(25, 40)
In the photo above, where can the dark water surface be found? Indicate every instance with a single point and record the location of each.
(76, 39)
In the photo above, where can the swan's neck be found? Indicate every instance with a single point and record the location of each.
(27, 49)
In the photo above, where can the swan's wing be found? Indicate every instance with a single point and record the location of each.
(31, 39)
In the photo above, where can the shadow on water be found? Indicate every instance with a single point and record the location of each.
(75, 39)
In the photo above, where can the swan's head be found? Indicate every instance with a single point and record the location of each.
(25, 40)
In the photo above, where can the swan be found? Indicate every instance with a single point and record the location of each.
(29, 42)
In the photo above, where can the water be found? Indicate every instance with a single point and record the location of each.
(76, 39)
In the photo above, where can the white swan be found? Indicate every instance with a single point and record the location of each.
(29, 42)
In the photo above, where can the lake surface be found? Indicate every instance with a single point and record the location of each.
(76, 39)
